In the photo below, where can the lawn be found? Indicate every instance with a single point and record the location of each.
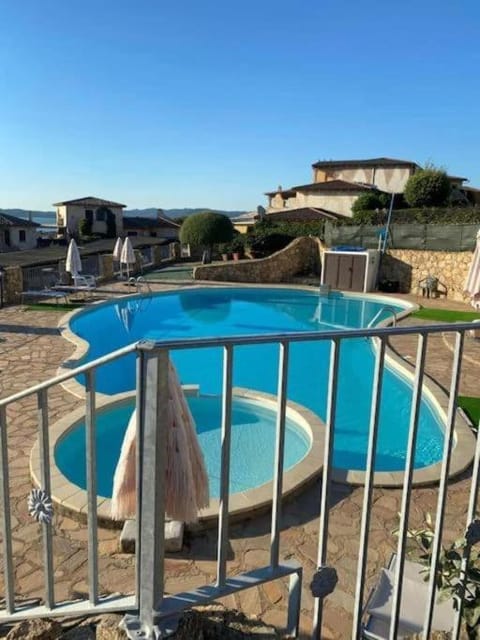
(52, 306)
(446, 315)
(471, 406)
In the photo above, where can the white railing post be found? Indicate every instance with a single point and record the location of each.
(150, 555)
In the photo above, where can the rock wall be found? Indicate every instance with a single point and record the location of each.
(12, 285)
(301, 256)
(410, 266)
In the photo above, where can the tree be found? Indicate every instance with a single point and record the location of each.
(371, 200)
(205, 229)
(428, 187)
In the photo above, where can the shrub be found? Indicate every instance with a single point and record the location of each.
(206, 229)
(428, 187)
(268, 244)
(430, 215)
(238, 244)
(371, 200)
(85, 227)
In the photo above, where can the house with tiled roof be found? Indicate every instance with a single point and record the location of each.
(338, 183)
(159, 227)
(100, 213)
(16, 233)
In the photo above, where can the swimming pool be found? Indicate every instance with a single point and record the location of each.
(247, 310)
(253, 434)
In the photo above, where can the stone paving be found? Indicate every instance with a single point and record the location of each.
(31, 349)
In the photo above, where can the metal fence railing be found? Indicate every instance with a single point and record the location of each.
(147, 256)
(91, 264)
(40, 277)
(149, 608)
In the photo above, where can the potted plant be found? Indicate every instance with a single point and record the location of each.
(237, 248)
(224, 250)
(450, 574)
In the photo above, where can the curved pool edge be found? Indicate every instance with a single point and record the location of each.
(71, 500)
(82, 346)
(463, 451)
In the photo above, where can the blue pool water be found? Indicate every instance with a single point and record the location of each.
(236, 311)
(253, 433)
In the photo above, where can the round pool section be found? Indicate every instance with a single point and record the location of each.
(202, 312)
(251, 465)
(252, 441)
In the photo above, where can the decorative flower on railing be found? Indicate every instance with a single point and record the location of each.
(40, 506)
(324, 582)
(472, 535)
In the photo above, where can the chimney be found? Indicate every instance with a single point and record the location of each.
(279, 187)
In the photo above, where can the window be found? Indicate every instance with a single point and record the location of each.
(89, 215)
(22, 236)
(153, 234)
(132, 233)
(100, 213)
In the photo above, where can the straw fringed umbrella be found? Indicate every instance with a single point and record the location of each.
(186, 480)
(124, 494)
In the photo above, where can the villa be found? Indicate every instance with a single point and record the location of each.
(338, 183)
(98, 212)
(159, 227)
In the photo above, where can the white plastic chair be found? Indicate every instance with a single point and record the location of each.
(412, 607)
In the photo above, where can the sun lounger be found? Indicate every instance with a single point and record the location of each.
(44, 293)
(81, 284)
(413, 604)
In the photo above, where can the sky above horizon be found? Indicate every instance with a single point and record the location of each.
(189, 104)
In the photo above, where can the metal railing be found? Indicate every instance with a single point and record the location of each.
(91, 264)
(151, 612)
(376, 317)
(40, 277)
(147, 256)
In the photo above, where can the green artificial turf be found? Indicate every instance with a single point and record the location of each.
(471, 406)
(51, 306)
(446, 315)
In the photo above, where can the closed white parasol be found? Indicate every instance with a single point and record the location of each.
(186, 480)
(127, 256)
(73, 263)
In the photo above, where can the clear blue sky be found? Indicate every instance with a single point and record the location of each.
(211, 103)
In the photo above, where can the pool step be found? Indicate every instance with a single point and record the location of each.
(173, 536)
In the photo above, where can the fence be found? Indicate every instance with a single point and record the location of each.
(147, 256)
(427, 237)
(40, 277)
(150, 610)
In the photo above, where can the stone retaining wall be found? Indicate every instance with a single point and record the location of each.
(301, 256)
(409, 266)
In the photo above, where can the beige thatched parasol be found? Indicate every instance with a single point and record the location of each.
(186, 480)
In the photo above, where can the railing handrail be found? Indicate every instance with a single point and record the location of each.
(386, 307)
(234, 341)
(303, 336)
(51, 382)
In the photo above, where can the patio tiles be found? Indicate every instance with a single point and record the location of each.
(31, 349)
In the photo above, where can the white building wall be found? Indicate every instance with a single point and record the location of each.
(15, 243)
(391, 179)
(338, 203)
(69, 216)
